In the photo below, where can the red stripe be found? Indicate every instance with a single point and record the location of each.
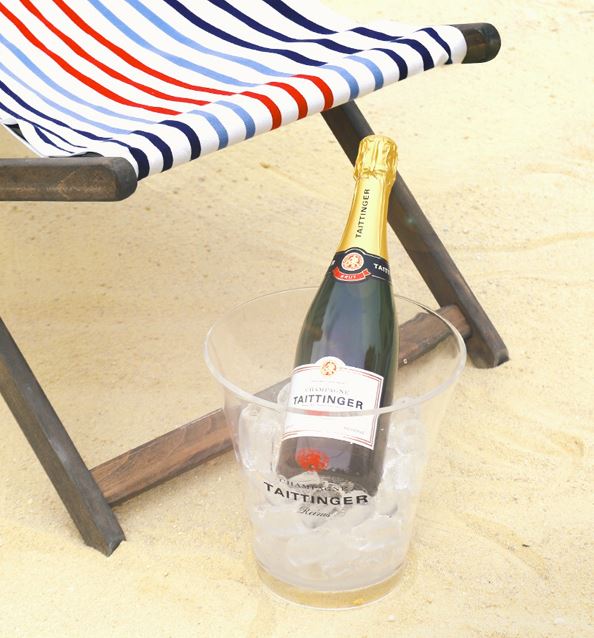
(275, 113)
(324, 88)
(109, 71)
(81, 24)
(72, 71)
(266, 101)
(295, 94)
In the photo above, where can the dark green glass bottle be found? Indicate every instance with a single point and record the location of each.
(346, 354)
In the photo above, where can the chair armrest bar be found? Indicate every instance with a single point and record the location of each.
(483, 41)
(71, 179)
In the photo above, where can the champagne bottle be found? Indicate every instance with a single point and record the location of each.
(346, 353)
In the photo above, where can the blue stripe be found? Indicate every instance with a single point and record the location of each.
(375, 70)
(213, 30)
(59, 88)
(250, 125)
(189, 42)
(351, 81)
(181, 62)
(220, 130)
(60, 107)
(190, 133)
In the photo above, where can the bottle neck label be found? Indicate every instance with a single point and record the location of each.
(367, 222)
(355, 265)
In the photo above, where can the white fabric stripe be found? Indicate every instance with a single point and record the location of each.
(320, 14)
(233, 123)
(235, 27)
(115, 62)
(39, 100)
(163, 41)
(63, 78)
(363, 76)
(456, 41)
(274, 61)
(41, 146)
(120, 87)
(79, 142)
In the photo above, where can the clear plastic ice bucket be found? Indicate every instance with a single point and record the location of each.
(316, 543)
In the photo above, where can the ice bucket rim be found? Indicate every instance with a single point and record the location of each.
(395, 407)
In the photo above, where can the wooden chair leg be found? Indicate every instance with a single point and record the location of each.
(55, 450)
(424, 247)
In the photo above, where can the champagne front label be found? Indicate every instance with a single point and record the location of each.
(331, 386)
(355, 265)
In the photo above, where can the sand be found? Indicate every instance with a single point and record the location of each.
(111, 303)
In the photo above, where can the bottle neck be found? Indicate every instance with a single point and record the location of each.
(366, 226)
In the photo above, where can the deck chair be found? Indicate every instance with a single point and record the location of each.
(107, 99)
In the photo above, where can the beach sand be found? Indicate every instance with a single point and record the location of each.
(111, 303)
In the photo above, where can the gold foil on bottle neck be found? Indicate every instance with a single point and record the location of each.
(377, 155)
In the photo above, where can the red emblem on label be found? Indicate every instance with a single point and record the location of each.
(328, 368)
(312, 460)
(352, 261)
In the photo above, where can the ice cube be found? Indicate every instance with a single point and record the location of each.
(271, 552)
(314, 547)
(350, 516)
(279, 522)
(408, 437)
(399, 470)
(377, 532)
(259, 437)
(386, 499)
(282, 398)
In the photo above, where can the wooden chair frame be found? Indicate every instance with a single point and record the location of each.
(89, 494)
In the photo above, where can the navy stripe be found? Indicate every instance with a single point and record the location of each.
(189, 42)
(446, 47)
(296, 17)
(402, 67)
(376, 35)
(190, 133)
(421, 50)
(205, 26)
(142, 160)
(60, 107)
(258, 26)
(47, 140)
(163, 148)
(417, 46)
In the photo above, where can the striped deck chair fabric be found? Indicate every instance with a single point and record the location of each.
(161, 82)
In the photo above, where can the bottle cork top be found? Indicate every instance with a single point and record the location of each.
(378, 155)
